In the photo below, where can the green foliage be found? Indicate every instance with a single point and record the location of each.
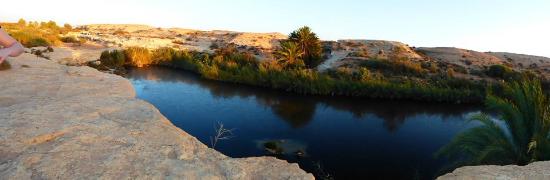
(228, 64)
(113, 59)
(290, 55)
(430, 66)
(310, 45)
(519, 136)
(502, 72)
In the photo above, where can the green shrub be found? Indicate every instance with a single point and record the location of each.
(502, 72)
(113, 59)
(310, 44)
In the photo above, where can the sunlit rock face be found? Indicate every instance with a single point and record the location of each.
(537, 170)
(65, 122)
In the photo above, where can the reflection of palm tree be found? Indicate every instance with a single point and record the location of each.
(521, 137)
(392, 120)
(288, 107)
(296, 113)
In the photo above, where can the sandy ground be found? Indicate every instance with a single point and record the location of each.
(71, 54)
(151, 37)
(329, 63)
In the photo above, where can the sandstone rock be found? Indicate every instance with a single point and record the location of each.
(63, 122)
(537, 170)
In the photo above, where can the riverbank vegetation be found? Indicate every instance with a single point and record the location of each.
(293, 71)
(520, 135)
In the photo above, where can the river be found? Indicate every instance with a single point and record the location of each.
(345, 138)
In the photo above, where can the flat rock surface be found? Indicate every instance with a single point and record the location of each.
(536, 170)
(66, 122)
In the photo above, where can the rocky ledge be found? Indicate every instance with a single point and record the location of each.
(537, 170)
(66, 122)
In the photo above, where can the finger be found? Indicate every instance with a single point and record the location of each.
(2, 59)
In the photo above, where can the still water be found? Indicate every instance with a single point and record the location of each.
(346, 138)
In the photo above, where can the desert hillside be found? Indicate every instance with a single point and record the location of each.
(146, 36)
(342, 53)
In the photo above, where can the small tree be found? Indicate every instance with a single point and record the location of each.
(290, 55)
(22, 22)
(310, 45)
(68, 27)
(501, 71)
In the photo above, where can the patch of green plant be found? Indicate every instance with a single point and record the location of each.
(519, 135)
(502, 72)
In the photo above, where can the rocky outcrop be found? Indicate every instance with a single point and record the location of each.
(66, 122)
(537, 170)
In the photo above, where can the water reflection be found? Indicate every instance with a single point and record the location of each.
(299, 110)
(353, 138)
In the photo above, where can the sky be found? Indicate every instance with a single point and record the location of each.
(519, 26)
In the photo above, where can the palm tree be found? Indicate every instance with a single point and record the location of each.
(290, 55)
(520, 136)
(310, 45)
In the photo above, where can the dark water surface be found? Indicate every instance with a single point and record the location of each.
(348, 138)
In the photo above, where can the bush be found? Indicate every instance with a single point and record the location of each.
(34, 34)
(502, 72)
(69, 39)
(120, 33)
(138, 56)
(362, 53)
(214, 46)
(30, 40)
(113, 59)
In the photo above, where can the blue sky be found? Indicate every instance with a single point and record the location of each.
(483, 25)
